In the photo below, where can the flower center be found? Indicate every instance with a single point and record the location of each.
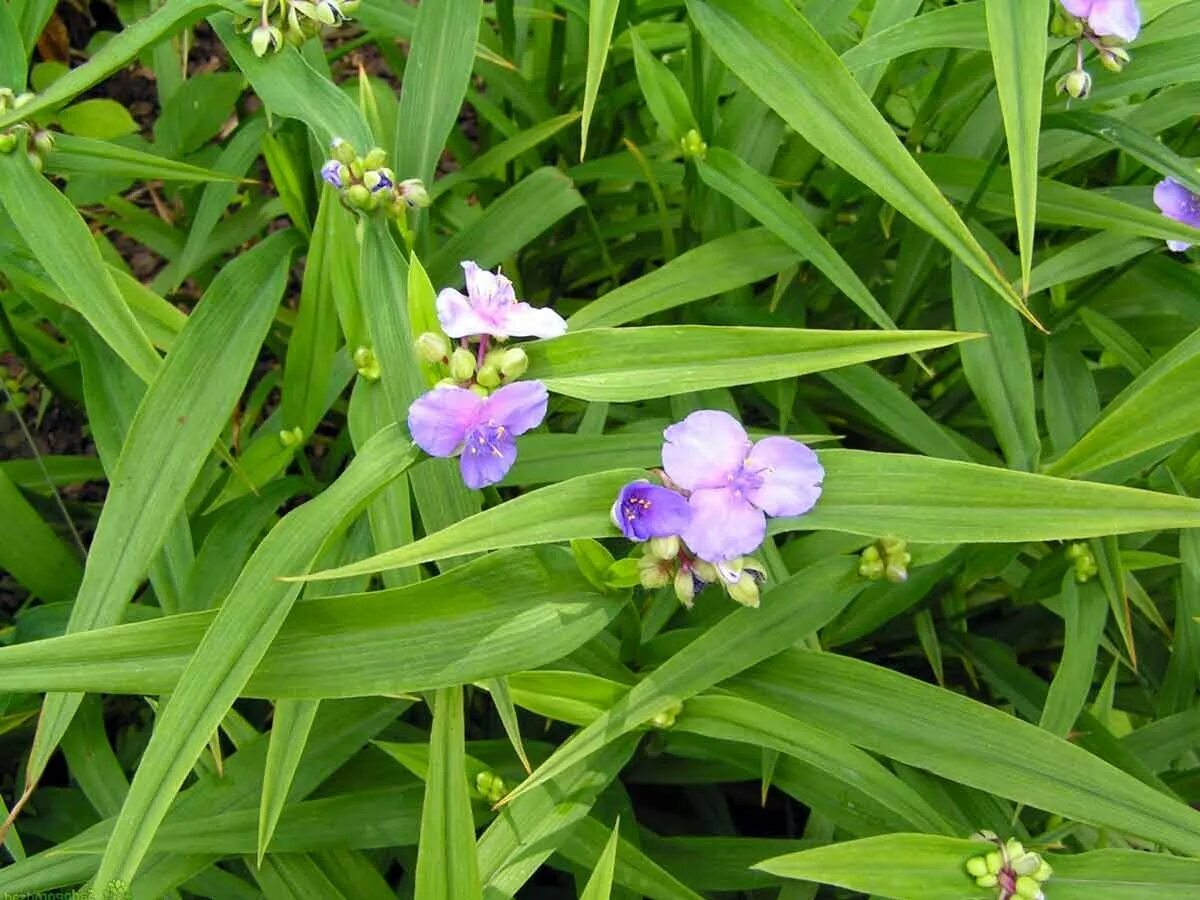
(634, 508)
(485, 440)
(744, 481)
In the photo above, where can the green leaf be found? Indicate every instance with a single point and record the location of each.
(176, 424)
(65, 248)
(447, 868)
(740, 640)
(291, 725)
(998, 368)
(778, 54)
(234, 644)
(1085, 612)
(435, 82)
(961, 26)
(722, 264)
(491, 163)
(602, 15)
(624, 364)
(1018, 38)
(665, 97)
(1158, 407)
(929, 500)
(13, 62)
(965, 741)
(31, 552)
(101, 119)
(745, 186)
(83, 156)
(196, 112)
(599, 886)
(516, 610)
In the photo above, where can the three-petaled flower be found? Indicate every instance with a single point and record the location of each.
(1180, 204)
(644, 511)
(453, 420)
(1108, 18)
(735, 484)
(491, 308)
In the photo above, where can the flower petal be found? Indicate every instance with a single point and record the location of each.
(487, 288)
(723, 526)
(517, 407)
(487, 456)
(439, 419)
(644, 510)
(1118, 18)
(790, 477)
(1177, 202)
(704, 450)
(523, 320)
(457, 317)
(1078, 8)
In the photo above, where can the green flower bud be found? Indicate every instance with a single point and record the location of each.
(872, 570)
(367, 363)
(653, 574)
(995, 862)
(478, 389)
(343, 151)
(1025, 864)
(513, 363)
(489, 376)
(705, 571)
(685, 587)
(1114, 58)
(871, 554)
(745, 590)
(374, 179)
(693, 146)
(987, 881)
(1029, 888)
(663, 547)
(977, 866)
(360, 197)
(1044, 871)
(433, 347)
(291, 437)
(1076, 83)
(375, 158)
(43, 142)
(1065, 25)
(265, 38)
(462, 364)
(8, 141)
(412, 192)
(667, 717)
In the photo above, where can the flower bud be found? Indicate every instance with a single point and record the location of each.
(652, 574)
(343, 151)
(328, 12)
(462, 364)
(367, 363)
(1065, 25)
(1029, 888)
(513, 363)
(667, 717)
(1076, 84)
(433, 347)
(358, 196)
(412, 191)
(8, 141)
(987, 881)
(745, 590)
(693, 146)
(685, 587)
(663, 547)
(335, 173)
(376, 180)
(43, 141)
(6, 98)
(1114, 58)
(478, 390)
(977, 866)
(1044, 872)
(489, 376)
(375, 158)
(995, 862)
(265, 38)
(705, 571)
(291, 437)
(490, 785)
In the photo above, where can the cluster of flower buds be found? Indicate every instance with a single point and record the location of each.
(1014, 871)
(367, 364)
(1108, 25)
(667, 561)
(366, 183)
(1083, 561)
(291, 437)
(41, 141)
(693, 146)
(886, 558)
(470, 369)
(667, 717)
(293, 21)
(491, 786)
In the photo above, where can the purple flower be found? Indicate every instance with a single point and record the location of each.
(1180, 204)
(332, 173)
(490, 307)
(450, 420)
(735, 484)
(1115, 18)
(644, 510)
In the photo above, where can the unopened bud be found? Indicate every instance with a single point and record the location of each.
(489, 376)
(367, 363)
(291, 437)
(685, 587)
(977, 866)
(478, 390)
(652, 574)
(328, 12)
(987, 881)
(1114, 58)
(342, 150)
(375, 158)
(1029, 888)
(433, 348)
(995, 862)
(412, 191)
(265, 38)
(43, 141)
(513, 363)
(1044, 872)
(745, 591)
(376, 180)
(462, 364)
(705, 571)
(693, 145)
(1065, 25)
(8, 141)
(358, 196)
(667, 717)
(663, 547)
(1076, 83)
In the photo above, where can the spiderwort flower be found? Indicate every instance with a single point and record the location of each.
(644, 510)
(1180, 204)
(734, 484)
(490, 307)
(1108, 18)
(332, 173)
(452, 420)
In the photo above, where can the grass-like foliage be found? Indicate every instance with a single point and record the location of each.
(461, 450)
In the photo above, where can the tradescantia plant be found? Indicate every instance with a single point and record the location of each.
(672, 449)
